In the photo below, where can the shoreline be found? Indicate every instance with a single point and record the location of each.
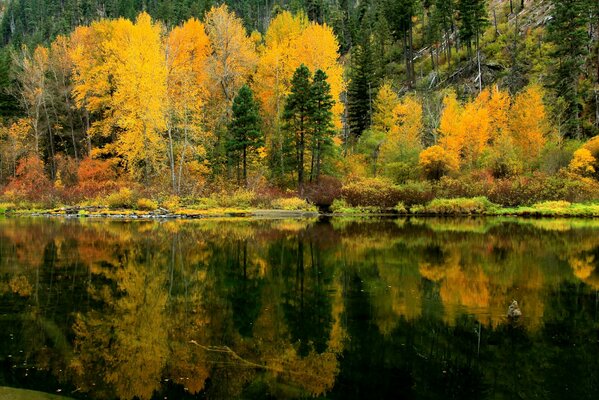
(523, 212)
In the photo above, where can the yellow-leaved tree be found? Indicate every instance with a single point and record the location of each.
(187, 53)
(290, 41)
(120, 76)
(528, 123)
(451, 133)
(400, 150)
(233, 57)
(140, 98)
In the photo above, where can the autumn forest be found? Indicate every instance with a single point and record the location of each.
(385, 105)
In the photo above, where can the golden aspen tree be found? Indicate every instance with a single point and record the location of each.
(187, 50)
(140, 98)
(498, 105)
(528, 123)
(94, 63)
(583, 162)
(451, 130)
(384, 116)
(402, 144)
(383, 122)
(233, 55)
(318, 49)
(503, 158)
(272, 81)
(476, 128)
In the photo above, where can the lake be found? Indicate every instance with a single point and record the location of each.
(339, 308)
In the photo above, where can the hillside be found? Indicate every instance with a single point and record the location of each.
(193, 97)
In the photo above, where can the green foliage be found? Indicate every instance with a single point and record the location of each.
(372, 192)
(477, 205)
(245, 133)
(362, 87)
(568, 31)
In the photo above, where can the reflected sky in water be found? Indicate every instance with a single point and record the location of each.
(341, 308)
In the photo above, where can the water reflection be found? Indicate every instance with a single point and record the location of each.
(297, 308)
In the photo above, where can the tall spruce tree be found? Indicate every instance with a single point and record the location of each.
(568, 30)
(321, 121)
(244, 129)
(361, 88)
(296, 116)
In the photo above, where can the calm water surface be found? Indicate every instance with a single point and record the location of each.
(339, 309)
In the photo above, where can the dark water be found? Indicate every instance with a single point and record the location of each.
(336, 309)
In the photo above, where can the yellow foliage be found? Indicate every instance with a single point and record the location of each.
(404, 136)
(528, 122)
(583, 162)
(291, 41)
(450, 128)
(383, 116)
(233, 54)
(436, 162)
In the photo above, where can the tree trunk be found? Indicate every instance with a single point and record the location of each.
(245, 175)
(172, 159)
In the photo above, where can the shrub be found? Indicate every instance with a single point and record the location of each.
(292, 204)
(519, 190)
(372, 192)
(124, 198)
(401, 172)
(172, 203)
(95, 177)
(146, 204)
(400, 208)
(583, 162)
(323, 192)
(240, 198)
(413, 193)
(476, 184)
(477, 205)
(436, 162)
(30, 182)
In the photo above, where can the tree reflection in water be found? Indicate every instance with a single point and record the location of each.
(295, 308)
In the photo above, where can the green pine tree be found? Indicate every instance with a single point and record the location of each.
(361, 88)
(244, 129)
(296, 116)
(568, 30)
(321, 121)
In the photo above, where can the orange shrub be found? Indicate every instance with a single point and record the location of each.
(95, 177)
(30, 182)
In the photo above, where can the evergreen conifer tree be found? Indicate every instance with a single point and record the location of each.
(321, 121)
(244, 129)
(297, 114)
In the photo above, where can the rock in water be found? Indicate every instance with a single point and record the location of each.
(513, 310)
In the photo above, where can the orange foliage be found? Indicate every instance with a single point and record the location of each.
(95, 177)
(528, 122)
(30, 181)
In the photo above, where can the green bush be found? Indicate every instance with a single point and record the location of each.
(400, 208)
(413, 193)
(477, 205)
(372, 192)
(238, 199)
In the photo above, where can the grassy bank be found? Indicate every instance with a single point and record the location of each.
(477, 206)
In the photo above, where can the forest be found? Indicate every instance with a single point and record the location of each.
(341, 105)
